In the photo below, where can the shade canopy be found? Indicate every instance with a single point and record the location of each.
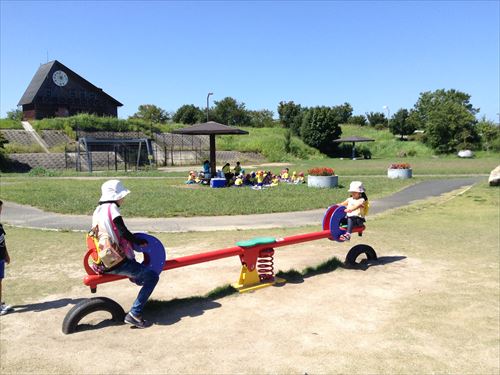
(353, 140)
(211, 129)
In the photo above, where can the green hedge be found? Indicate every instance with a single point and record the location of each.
(88, 122)
(7, 123)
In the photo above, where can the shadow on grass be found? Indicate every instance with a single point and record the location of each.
(47, 305)
(172, 311)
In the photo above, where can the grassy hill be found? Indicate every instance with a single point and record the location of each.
(271, 143)
(386, 144)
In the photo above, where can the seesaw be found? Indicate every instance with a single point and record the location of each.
(256, 257)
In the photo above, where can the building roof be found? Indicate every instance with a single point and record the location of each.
(41, 75)
(209, 128)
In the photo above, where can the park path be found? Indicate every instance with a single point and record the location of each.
(31, 217)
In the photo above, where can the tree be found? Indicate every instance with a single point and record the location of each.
(345, 112)
(290, 115)
(376, 118)
(229, 112)
(321, 126)
(261, 119)
(399, 124)
(357, 120)
(188, 114)
(151, 113)
(490, 134)
(448, 119)
(15, 114)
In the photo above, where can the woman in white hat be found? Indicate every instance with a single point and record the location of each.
(113, 233)
(355, 208)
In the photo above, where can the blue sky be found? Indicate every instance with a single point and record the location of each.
(170, 53)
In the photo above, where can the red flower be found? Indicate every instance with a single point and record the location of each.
(321, 171)
(400, 166)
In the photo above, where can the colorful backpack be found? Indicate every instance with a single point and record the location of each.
(106, 256)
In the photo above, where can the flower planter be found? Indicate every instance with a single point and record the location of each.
(399, 173)
(322, 181)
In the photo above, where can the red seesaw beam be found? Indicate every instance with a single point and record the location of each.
(93, 280)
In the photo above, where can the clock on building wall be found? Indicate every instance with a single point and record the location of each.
(60, 78)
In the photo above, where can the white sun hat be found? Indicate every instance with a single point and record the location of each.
(356, 187)
(113, 190)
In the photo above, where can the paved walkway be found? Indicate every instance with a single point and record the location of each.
(30, 217)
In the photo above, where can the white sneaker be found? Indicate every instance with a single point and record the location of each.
(5, 307)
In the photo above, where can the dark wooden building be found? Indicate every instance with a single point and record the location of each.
(57, 91)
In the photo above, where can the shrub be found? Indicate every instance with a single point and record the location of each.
(321, 171)
(40, 172)
(400, 166)
(87, 122)
(17, 148)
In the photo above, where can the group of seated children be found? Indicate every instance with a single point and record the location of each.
(262, 179)
(237, 177)
(294, 178)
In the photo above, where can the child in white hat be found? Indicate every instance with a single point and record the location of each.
(108, 219)
(355, 208)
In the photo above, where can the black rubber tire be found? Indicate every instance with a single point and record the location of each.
(89, 306)
(356, 251)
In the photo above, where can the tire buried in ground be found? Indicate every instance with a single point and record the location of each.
(89, 306)
(356, 251)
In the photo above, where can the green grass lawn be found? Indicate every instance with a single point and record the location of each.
(164, 194)
(421, 166)
(169, 197)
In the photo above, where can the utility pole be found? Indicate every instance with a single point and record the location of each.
(210, 93)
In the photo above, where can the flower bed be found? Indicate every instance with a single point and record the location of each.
(321, 171)
(400, 166)
(322, 177)
(399, 170)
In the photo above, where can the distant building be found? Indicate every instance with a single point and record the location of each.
(57, 91)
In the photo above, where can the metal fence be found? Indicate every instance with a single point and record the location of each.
(179, 149)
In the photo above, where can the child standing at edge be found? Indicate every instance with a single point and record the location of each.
(355, 208)
(4, 258)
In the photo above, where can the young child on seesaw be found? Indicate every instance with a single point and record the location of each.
(355, 208)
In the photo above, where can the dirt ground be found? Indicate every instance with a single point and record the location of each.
(339, 322)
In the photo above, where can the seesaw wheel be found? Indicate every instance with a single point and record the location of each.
(356, 251)
(89, 306)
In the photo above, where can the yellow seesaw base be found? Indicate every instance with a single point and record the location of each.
(249, 281)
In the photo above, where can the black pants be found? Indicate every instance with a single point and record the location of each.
(353, 221)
